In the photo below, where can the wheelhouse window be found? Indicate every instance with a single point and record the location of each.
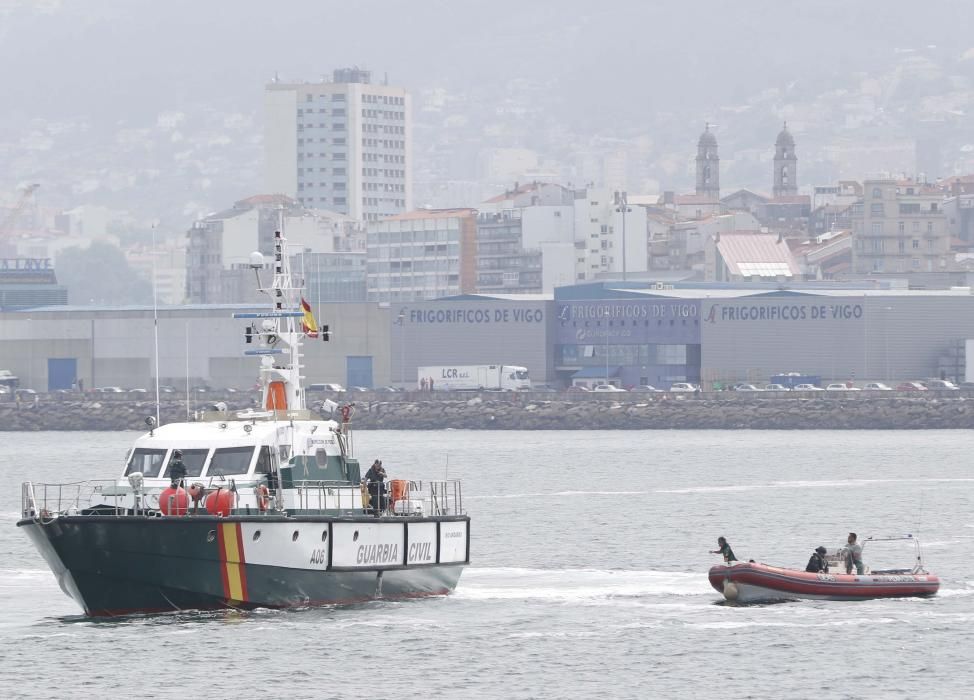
(230, 460)
(264, 465)
(521, 374)
(193, 460)
(147, 461)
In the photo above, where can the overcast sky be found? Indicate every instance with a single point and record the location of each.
(139, 57)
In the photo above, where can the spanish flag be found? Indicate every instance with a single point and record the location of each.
(308, 324)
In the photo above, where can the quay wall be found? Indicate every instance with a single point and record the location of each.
(723, 411)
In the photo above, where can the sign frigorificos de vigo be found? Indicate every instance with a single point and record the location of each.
(651, 321)
(473, 315)
(745, 312)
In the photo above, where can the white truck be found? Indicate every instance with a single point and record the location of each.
(473, 378)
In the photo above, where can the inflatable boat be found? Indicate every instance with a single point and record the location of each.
(750, 582)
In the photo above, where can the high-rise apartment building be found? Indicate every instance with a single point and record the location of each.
(344, 145)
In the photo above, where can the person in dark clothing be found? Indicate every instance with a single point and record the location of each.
(375, 483)
(177, 470)
(817, 563)
(724, 549)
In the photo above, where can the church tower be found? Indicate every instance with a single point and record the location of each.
(785, 165)
(708, 165)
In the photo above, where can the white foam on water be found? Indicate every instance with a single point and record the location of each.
(563, 585)
(555, 493)
(955, 592)
(801, 484)
(19, 578)
(556, 635)
(740, 624)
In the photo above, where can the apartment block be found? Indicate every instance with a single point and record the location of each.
(899, 226)
(343, 145)
(423, 254)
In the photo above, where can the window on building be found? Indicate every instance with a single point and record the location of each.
(915, 263)
(916, 225)
(877, 228)
(901, 227)
(916, 244)
(877, 193)
(929, 227)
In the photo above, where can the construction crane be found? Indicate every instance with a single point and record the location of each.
(10, 220)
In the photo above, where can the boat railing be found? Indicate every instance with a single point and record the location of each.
(328, 495)
(438, 497)
(42, 501)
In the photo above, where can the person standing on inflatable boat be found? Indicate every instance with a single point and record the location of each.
(853, 555)
(725, 550)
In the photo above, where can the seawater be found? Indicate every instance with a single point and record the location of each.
(589, 577)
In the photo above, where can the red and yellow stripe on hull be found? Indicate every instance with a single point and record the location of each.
(232, 570)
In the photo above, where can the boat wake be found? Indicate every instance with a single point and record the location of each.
(566, 585)
(802, 484)
(555, 493)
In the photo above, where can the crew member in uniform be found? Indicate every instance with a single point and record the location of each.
(375, 483)
(177, 470)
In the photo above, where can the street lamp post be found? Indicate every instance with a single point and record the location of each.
(887, 309)
(622, 206)
(401, 322)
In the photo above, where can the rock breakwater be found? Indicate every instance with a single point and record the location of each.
(525, 413)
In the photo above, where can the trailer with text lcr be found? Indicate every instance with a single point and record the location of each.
(473, 378)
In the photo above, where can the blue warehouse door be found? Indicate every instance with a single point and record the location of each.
(359, 370)
(62, 372)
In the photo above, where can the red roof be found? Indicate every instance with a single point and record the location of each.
(792, 199)
(266, 199)
(433, 214)
(510, 194)
(696, 199)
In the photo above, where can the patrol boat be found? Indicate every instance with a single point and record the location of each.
(273, 513)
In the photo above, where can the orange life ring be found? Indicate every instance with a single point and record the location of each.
(263, 498)
(346, 413)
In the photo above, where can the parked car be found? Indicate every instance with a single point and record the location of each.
(387, 390)
(746, 387)
(877, 386)
(26, 392)
(683, 387)
(4, 389)
(109, 390)
(166, 389)
(807, 387)
(776, 387)
(841, 386)
(608, 388)
(941, 385)
(578, 388)
(911, 386)
(544, 389)
(138, 391)
(334, 388)
(647, 388)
